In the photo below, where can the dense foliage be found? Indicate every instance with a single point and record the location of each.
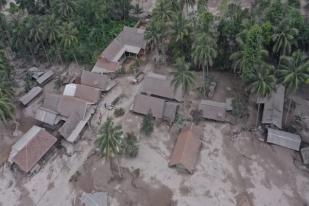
(251, 42)
(64, 30)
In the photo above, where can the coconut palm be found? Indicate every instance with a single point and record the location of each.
(179, 29)
(68, 36)
(261, 81)
(110, 138)
(154, 35)
(7, 108)
(64, 8)
(293, 72)
(163, 11)
(182, 75)
(284, 38)
(204, 51)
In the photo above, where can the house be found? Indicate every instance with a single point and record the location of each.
(186, 151)
(30, 148)
(305, 155)
(73, 111)
(272, 107)
(31, 95)
(129, 41)
(99, 81)
(160, 108)
(161, 86)
(284, 139)
(213, 110)
(89, 94)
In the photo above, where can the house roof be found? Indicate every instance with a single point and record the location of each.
(31, 147)
(273, 107)
(45, 77)
(70, 105)
(186, 150)
(89, 94)
(33, 93)
(170, 110)
(51, 102)
(129, 40)
(160, 85)
(102, 82)
(284, 139)
(213, 110)
(305, 155)
(47, 116)
(143, 104)
(105, 66)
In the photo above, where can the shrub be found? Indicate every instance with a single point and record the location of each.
(240, 109)
(148, 124)
(130, 146)
(119, 112)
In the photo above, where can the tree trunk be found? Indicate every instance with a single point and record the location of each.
(204, 86)
(288, 112)
(258, 115)
(46, 53)
(75, 59)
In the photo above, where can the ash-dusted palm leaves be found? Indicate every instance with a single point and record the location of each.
(261, 80)
(110, 139)
(163, 12)
(284, 38)
(293, 70)
(68, 36)
(64, 8)
(154, 35)
(7, 108)
(179, 28)
(183, 77)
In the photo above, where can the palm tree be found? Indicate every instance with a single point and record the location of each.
(293, 72)
(64, 8)
(7, 108)
(163, 11)
(182, 75)
(179, 29)
(261, 81)
(204, 52)
(110, 140)
(68, 36)
(37, 33)
(154, 35)
(284, 38)
(51, 27)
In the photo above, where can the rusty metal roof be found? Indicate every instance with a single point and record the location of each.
(186, 150)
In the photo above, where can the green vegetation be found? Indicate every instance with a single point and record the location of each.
(119, 112)
(255, 43)
(110, 139)
(130, 146)
(7, 108)
(64, 30)
(148, 124)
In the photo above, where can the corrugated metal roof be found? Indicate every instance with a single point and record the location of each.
(47, 116)
(102, 82)
(143, 104)
(89, 94)
(38, 142)
(160, 85)
(284, 139)
(45, 77)
(186, 150)
(33, 93)
(170, 110)
(213, 110)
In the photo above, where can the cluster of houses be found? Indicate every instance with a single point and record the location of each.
(67, 114)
